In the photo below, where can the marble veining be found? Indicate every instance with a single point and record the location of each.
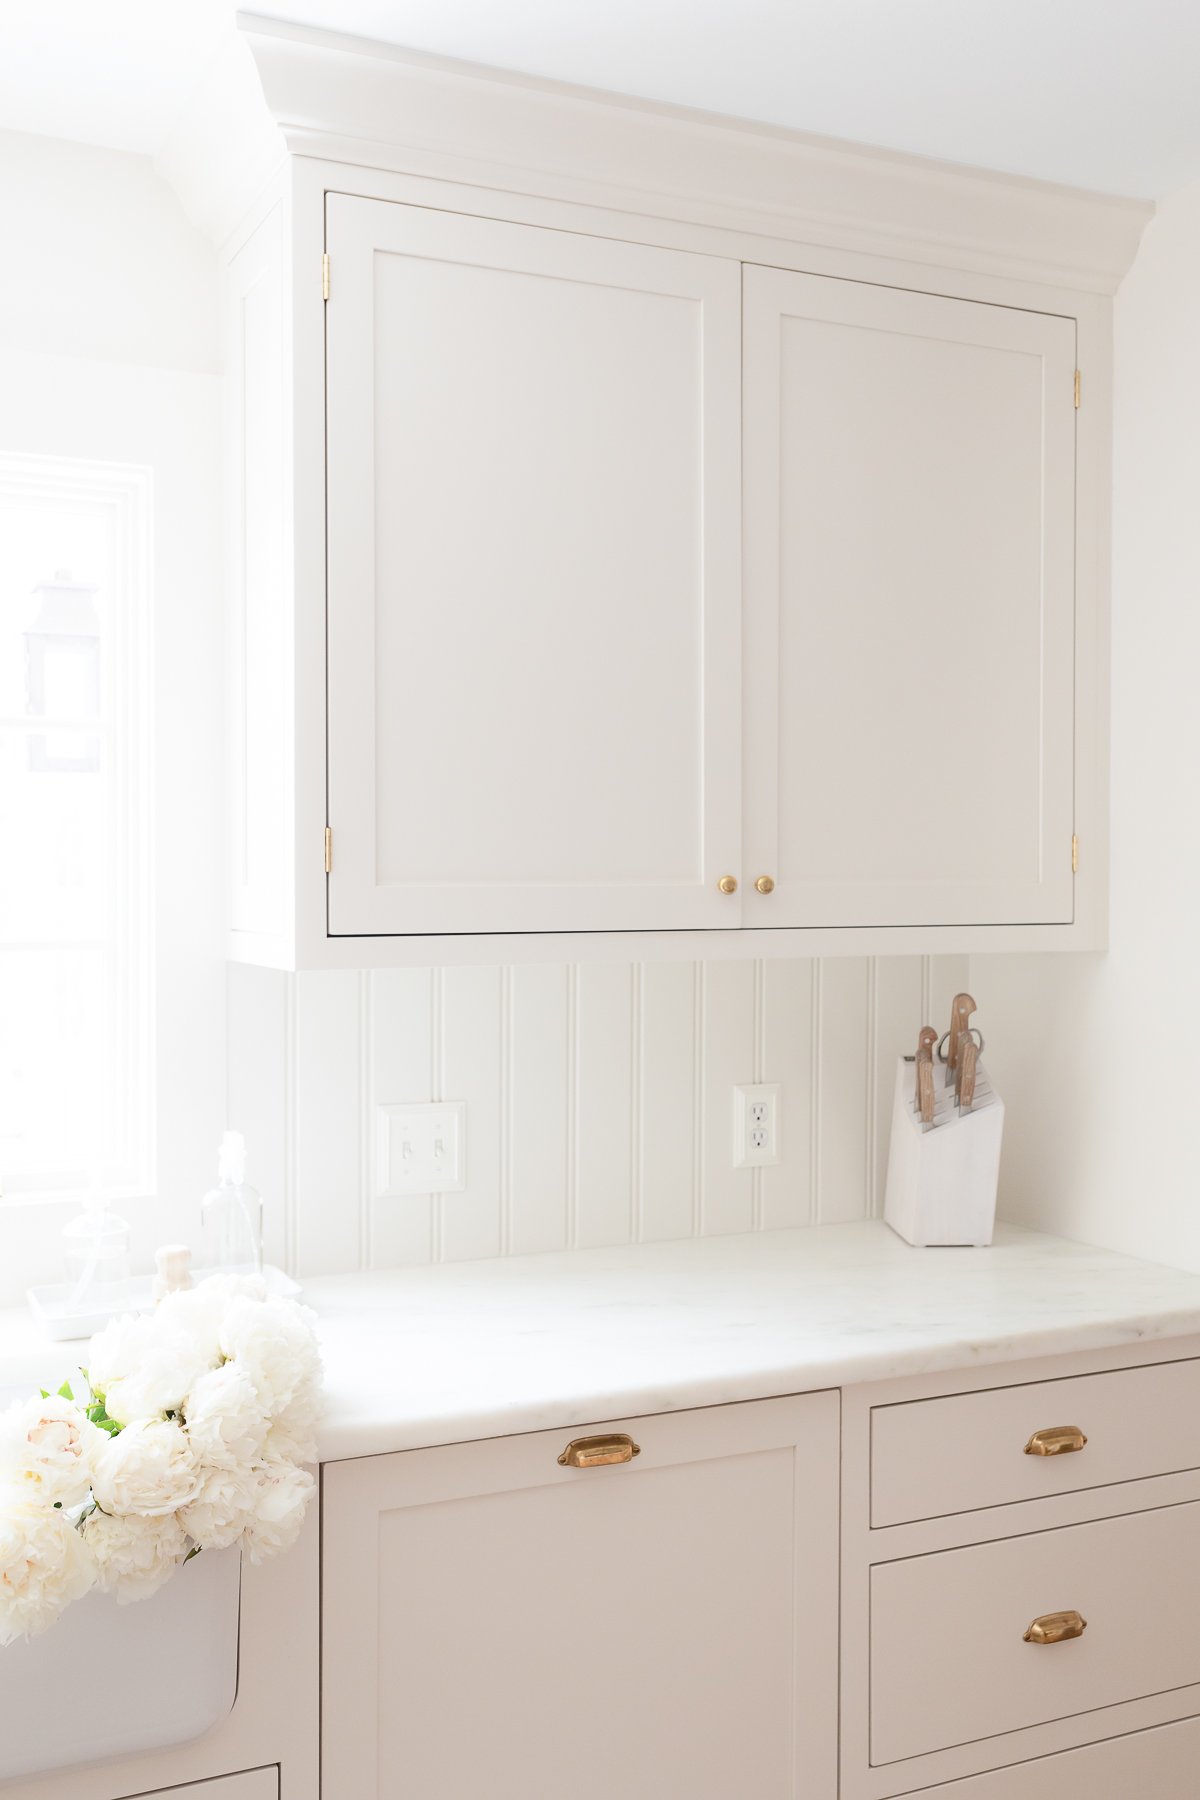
(444, 1354)
(450, 1352)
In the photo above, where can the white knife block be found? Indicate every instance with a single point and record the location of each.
(941, 1180)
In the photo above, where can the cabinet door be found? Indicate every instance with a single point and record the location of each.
(496, 1623)
(909, 483)
(534, 578)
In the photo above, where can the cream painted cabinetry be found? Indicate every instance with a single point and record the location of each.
(909, 606)
(496, 1622)
(534, 578)
(626, 562)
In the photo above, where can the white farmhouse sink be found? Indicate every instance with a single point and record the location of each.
(111, 1680)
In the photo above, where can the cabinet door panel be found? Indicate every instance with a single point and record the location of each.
(910, 606)
(496, 1623)
(534, 578)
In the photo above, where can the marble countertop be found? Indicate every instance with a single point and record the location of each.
(463, 1350)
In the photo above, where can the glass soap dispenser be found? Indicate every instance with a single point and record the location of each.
(231, 1213)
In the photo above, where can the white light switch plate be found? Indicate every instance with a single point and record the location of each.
(421, 1149)
(756, 1125)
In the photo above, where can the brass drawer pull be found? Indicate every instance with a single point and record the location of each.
(596, 1452)
(1056, 1440)
(1056, 1628)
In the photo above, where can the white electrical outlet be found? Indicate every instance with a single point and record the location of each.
(421, 1149)
(756, 1125)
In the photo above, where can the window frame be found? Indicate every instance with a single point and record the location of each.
(128, 724)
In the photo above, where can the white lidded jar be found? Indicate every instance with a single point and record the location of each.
(231, 1213)
(95, 1252)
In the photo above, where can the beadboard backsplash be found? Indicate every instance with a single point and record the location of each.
(599, 1103)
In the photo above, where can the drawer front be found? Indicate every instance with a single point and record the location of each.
(949, 1664)
(933, 1457)
(1157, 1765)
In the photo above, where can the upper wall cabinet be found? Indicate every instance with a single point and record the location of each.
(534, 578)
(909, 606)
(656, 538)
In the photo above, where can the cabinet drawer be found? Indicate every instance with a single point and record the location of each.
(932, 1457)
(1159, 1764)
(949, 1664)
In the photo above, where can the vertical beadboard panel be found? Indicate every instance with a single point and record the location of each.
(539, 1108)
(258, 1059)
(787, 1005)
(471, 1030)
(899, 995)
(728, 1049)
(401, 1069)
(599, 1098)
(329, 1088)
(842, 1088)
(604, 1104)
(668, 1155)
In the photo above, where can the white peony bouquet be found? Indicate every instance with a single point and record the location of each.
(197, 1420)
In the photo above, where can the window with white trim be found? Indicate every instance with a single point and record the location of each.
(76, 951)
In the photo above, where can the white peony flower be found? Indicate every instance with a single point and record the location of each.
(280, 1503)
(275, 1343)
(117, 1351)
(226, 1425)
(199, 1312)
(223, 1507)
(293, 1431)
(46, 1447)
(44, 1565)
(172, 1363)
(148, 1468)
(134, 1556)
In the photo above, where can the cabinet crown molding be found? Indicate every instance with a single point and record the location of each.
(350, 100)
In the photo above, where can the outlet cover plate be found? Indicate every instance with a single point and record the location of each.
(421, 1149)
(756, 1125)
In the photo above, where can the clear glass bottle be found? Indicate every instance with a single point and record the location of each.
(231, 1213)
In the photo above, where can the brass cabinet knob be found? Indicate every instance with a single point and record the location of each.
(1056, 1440)
(597, 1452)
(765, 885)
(728, 884)
(1056, 1628)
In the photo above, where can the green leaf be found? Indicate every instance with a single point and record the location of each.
(194, 1551)
(64, 1392)
(45, 1393)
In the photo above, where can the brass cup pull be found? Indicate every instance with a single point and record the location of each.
(765, 884)
(1056, 1628)
(597, 1452)
(728, 884)
(1056, 1440)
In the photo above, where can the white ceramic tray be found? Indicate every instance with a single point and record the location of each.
(53, 1312)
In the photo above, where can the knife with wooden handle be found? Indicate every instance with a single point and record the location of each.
(923, 1088)
(961, 1008)
(968, 1063)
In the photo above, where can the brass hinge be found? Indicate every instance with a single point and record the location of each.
(325, 289)
(328, 849)
(1074, 854)
(1078, 377)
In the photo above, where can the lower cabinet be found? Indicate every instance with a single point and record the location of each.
(653, 1612)
(1160, 1764)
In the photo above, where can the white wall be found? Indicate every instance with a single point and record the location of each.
(100, 261)
(1098, 1057)
(599, 1098)
(109, 350)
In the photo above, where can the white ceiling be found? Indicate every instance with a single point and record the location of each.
(1099, 93)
